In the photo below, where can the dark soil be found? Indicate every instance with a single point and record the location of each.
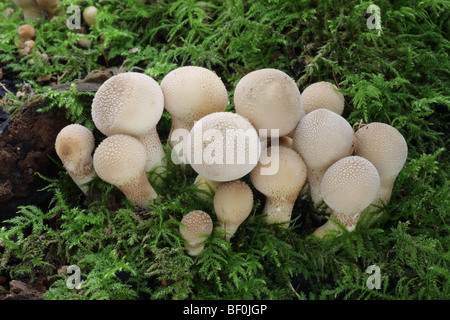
(26, 147)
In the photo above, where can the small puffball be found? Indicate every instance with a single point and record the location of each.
(386, 148)
(74, 145)
(196, 227)
(26, 32)
(281, 184)
(131, 103)
(233, 203)
(321, 138)
(322, 95)
(223, 146)
(348, 187)
(120, 160)
(89, 15)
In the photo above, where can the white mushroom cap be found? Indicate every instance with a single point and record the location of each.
(196, 227)
(322, 95)
(131, 103)
(348, 187)
(89, 15)
(386, 148)
(282, 187)
(270, 99)
(30, 9)
(190, 93)
(233, 203)
(223, 146)
(120, 160)
(74, 145)
(321, 138)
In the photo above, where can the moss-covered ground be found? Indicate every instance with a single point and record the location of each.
(397, 73)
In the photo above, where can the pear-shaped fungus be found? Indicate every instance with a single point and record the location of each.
(348, 187)
(386, 148)
(270, 99)
(223, 146)
(322, 95)
(74, 145)
(281, 187)
(25, 44)
(131, 103)
(190, 93)
(321, 138)
(195, 228)
(233, 203)
(120, 160)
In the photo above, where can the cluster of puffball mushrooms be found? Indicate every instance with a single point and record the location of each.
(36, 9)
(304, 134)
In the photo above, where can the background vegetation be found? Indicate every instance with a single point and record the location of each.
(397, 75)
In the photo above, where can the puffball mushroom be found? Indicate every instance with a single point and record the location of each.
(89, 15)
(26, 32)
(25, 44)
(131, 103)
(223, 146)
(74, 145)
(190, 93)
(386, 148)
(30, 9)
(233, 203)
(282, 187)
(120, 160)
(348, 187)
(322, 95)
(321, 138)
(196, 227)
(270, 99)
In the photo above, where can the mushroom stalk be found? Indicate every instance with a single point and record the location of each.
(278, 210)
(139, 191)
(384, 195)
(82, 180)
(154, 149)
(314, 179)
(30, 9)
(348, 220)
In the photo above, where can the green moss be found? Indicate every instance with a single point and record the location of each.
(397, 75)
